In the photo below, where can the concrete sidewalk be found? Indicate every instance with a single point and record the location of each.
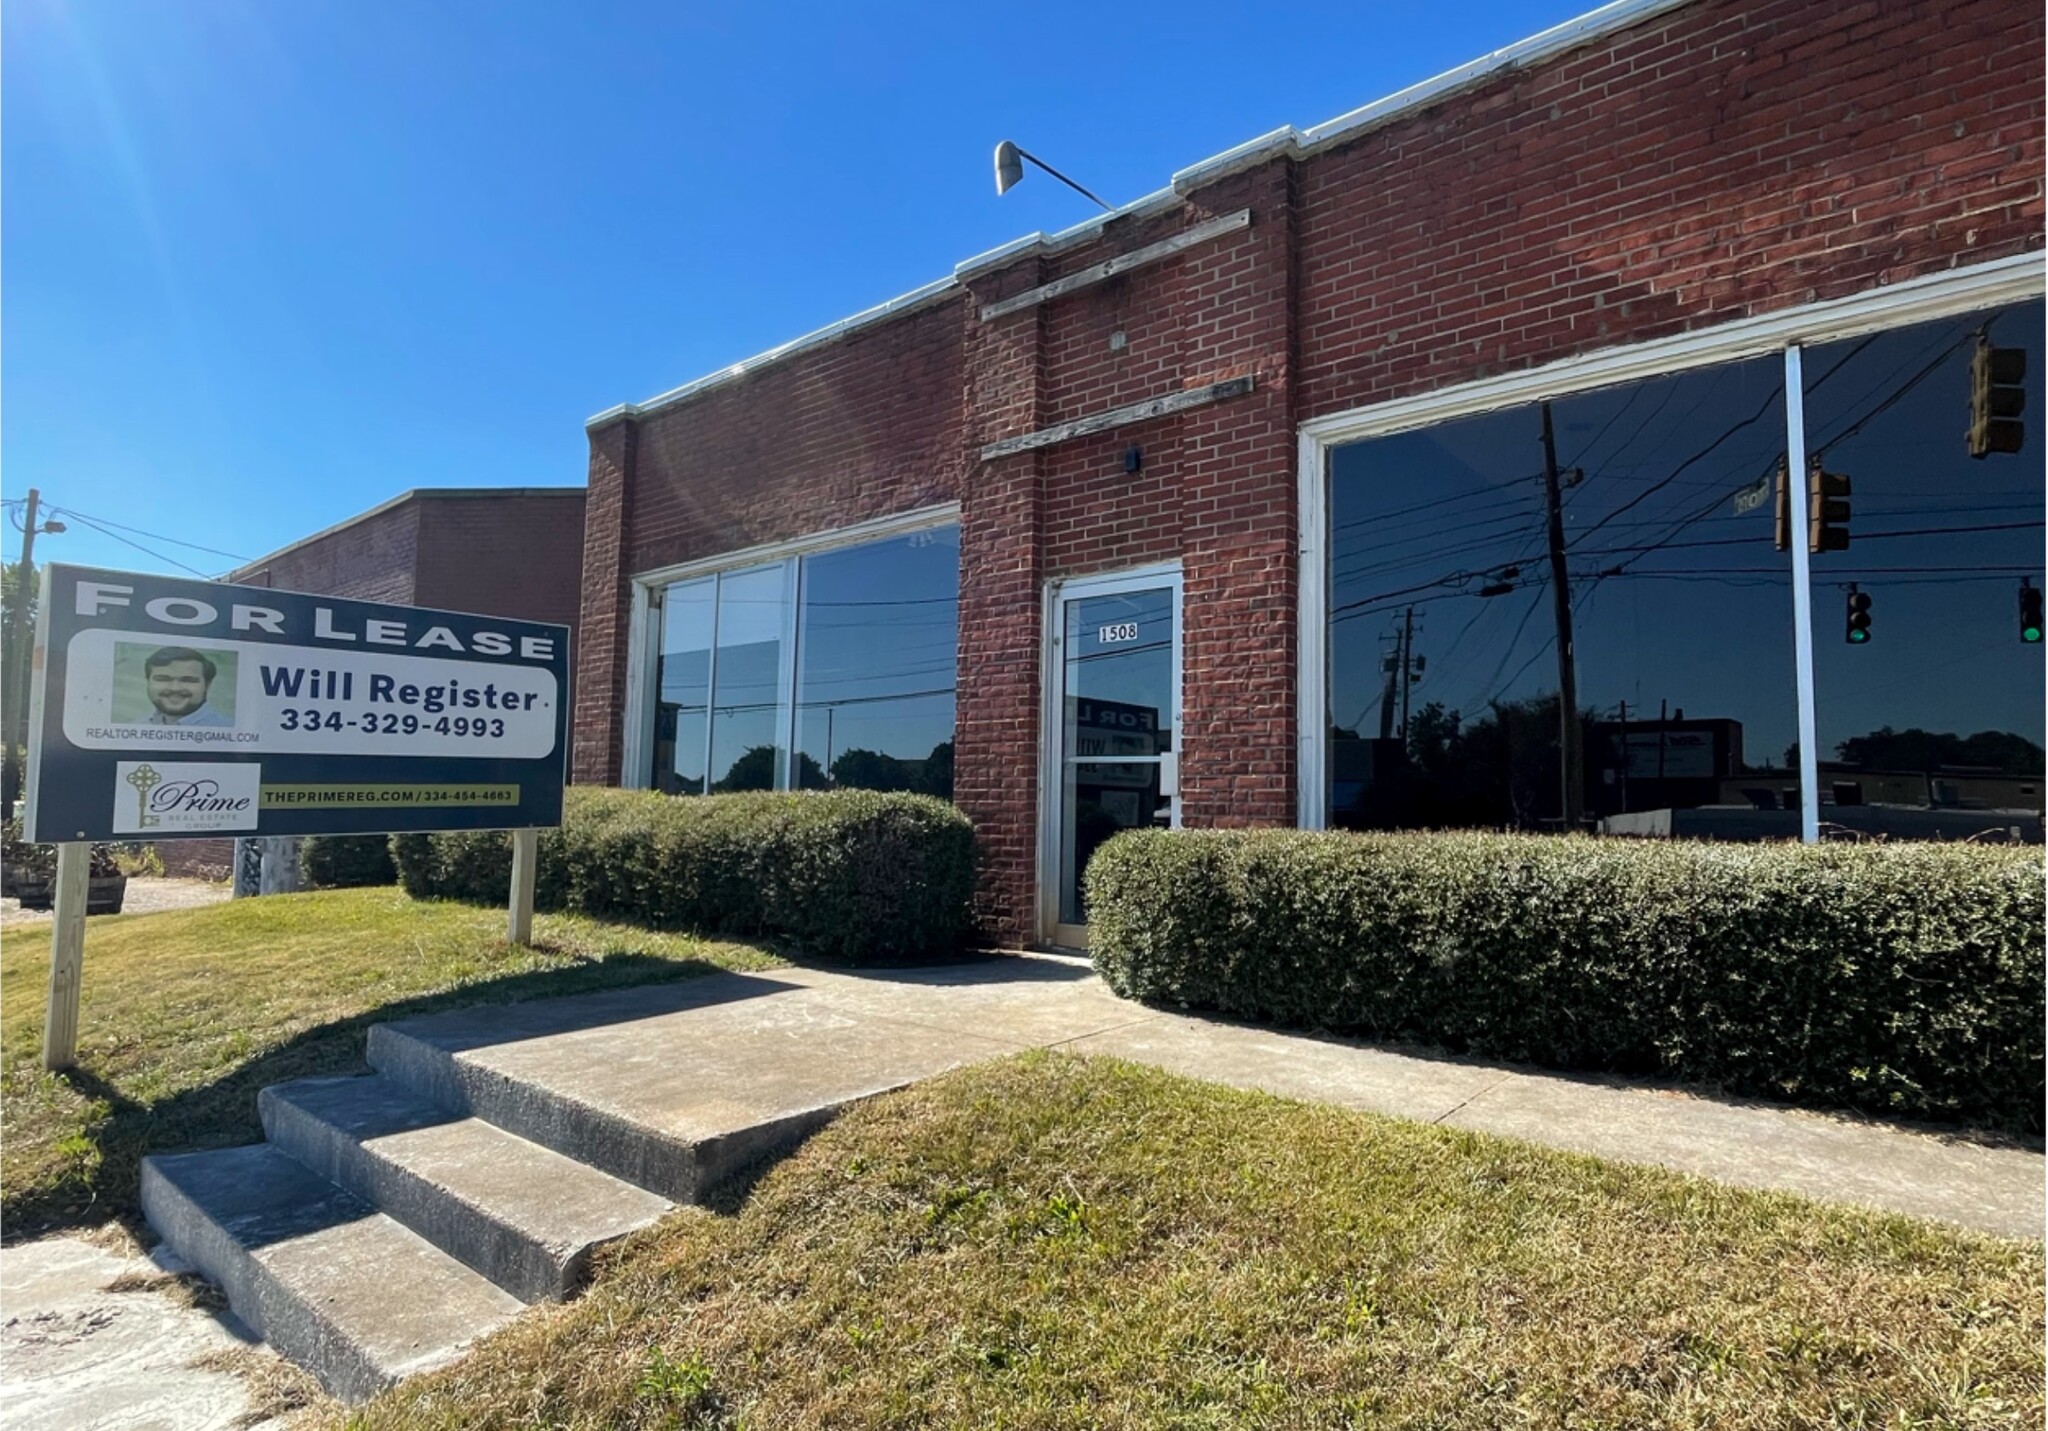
(495, 1148)
(707, 1061)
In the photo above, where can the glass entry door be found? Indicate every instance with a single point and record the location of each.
(1114, 717)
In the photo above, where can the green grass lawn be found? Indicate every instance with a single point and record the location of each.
(186, 1014)
(1045, 1240)
(1050, 1241)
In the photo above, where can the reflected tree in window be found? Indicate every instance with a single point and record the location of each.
(876, 654)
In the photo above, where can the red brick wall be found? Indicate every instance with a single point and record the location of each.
(371, 559)
(861, 428)
(1002, 563)
(197, 859)
(505, 554)
(1721, 160)
(601, 634)
(865, 427)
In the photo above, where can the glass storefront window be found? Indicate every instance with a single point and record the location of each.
(683, 680)
(1938, 707)
(852, 648)
(1444, 627)
(746, 748)
(877, 643)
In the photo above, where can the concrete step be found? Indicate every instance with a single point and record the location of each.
(644, 1101)
(352, 1295)
(526, 1217)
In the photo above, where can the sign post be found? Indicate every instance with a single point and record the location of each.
(163, 709)
(67, 955)
(525, 861)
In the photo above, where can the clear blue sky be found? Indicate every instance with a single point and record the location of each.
(270, 262)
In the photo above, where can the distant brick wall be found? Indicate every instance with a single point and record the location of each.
(1720, 160)
(517, 554)
(197, 859)
(374, 558)
(514, 552)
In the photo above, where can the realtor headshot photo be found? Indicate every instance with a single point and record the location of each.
(173, 685)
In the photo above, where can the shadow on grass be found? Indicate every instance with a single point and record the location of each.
(222, 1114)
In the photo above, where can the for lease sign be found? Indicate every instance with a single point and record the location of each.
(164, 708)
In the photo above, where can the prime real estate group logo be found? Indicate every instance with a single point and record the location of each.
(181, 796)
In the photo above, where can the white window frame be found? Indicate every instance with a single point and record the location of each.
(2020, 278)
(643, 627)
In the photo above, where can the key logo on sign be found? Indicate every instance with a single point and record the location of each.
(145, 779)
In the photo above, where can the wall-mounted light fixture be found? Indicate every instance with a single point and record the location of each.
(1010, 169)
(1134, 459)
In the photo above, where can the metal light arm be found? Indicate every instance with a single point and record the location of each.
(1010, 168)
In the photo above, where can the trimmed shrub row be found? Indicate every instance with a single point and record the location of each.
(346, 861)
(851, 875)
(1904, 979)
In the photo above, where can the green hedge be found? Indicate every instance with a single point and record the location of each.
(851, 875)
(1904, 979)
(346, 861)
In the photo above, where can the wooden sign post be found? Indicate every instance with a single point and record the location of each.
(525, 859)
(67, 954)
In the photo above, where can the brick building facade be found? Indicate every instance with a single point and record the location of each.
(1655, 177)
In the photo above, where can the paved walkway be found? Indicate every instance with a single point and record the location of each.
(145, 894)
(87, 1343)
(708, 1058)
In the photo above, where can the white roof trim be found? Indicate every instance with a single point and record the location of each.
(1285, 140)
(894, 308)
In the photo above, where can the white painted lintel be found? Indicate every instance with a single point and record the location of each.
(1118, 417)
(1122, 263)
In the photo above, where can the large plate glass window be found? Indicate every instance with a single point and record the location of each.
(1928, 688)
(844, 657)
(877, 644)
(1656, 499)
(747, 744)
(683, 703)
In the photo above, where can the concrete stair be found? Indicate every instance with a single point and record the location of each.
(392, 1219)
(524, 1216)
(681, 1163)
(379, 1232)
(321, 1275)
